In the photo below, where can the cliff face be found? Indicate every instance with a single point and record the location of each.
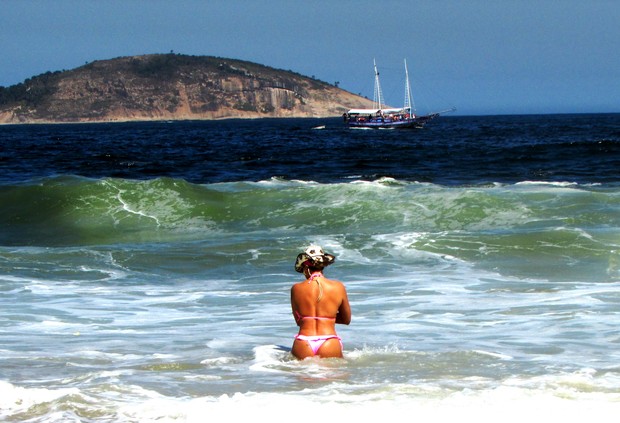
(171, 87)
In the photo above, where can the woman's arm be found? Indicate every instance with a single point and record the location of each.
(296, 314)
(344, 311)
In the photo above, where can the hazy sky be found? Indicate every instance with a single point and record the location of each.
(481, 56)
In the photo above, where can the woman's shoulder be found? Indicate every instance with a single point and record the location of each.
(297, 285)
(333, 280)
(335, 283)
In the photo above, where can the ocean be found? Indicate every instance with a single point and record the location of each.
(145, 269)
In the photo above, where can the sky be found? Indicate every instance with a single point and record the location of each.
(484, 57)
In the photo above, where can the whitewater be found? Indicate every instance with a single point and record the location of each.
(138, 293)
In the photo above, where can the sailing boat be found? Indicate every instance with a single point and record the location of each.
(387, 118)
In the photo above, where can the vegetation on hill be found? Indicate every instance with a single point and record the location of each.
(170, 86)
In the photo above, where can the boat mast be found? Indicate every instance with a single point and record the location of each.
(378, 96)
(408, 98)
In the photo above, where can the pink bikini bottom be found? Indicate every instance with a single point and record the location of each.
(316, 342)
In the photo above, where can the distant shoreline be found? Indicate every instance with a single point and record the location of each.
(256, 118)
(139, 120)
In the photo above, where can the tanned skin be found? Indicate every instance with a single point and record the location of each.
(333, 303)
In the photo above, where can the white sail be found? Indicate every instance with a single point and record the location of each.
(378, 95)
(409, 105)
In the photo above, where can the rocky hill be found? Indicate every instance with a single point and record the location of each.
(171, 87)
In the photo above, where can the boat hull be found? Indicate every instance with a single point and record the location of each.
(379, 123)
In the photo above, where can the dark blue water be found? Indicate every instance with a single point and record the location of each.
(449, 151)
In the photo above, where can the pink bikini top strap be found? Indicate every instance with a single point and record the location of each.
(299, 317)
(317, 318)
(314, 276)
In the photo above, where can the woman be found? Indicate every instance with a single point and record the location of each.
(318, 304)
